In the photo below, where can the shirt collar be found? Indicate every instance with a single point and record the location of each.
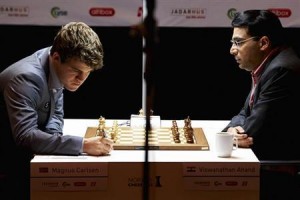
(54, 82)
(257, 72)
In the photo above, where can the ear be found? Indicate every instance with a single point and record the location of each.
(56, 57)
(264, 43)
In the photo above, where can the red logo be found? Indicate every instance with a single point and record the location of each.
(140, 12)
(231, 183)
(102, 12)
(80, 184)
(281, 12)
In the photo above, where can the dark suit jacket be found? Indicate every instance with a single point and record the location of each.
(274, 121)
(31, 113)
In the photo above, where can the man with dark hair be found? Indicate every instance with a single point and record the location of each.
(268, 122)
(31, 105)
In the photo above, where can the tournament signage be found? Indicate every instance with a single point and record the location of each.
(59, 12)
(169, 13)
(216, 13)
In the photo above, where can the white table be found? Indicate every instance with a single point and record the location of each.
(173, 174)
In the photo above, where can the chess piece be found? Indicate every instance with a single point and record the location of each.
(190, 135)
(175, 132)
(114, 131)
(141, 112)
(186, 125)
(101, 127)
(188, 130)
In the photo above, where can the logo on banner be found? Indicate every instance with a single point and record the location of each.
(231, 12)
(140, 12)
(57, 12)
(139, 182)
(281, 12)
(14, 11)
(189, 13)
(102, 12)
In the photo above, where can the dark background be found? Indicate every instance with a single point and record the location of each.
(194, 76)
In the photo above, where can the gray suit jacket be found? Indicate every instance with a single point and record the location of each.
(273, 121)
(31, 109)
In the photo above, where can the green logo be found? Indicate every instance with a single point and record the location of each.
(231, 12)
(56, 12)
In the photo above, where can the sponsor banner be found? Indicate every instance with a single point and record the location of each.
(168, 13)
(69, 184)
(221, 183)
(92, 12)
(216, 13)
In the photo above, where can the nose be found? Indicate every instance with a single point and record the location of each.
(233, 50)
(82, 76)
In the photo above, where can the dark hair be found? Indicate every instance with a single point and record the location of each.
(261, 23)
(78, 40)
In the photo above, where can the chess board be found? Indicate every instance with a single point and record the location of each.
(158, 139)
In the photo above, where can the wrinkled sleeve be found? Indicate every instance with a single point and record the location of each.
(22, 95)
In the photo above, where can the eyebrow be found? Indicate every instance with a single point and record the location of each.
(79, 70)
(237, 38)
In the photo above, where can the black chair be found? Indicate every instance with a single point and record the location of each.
(279, 180)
